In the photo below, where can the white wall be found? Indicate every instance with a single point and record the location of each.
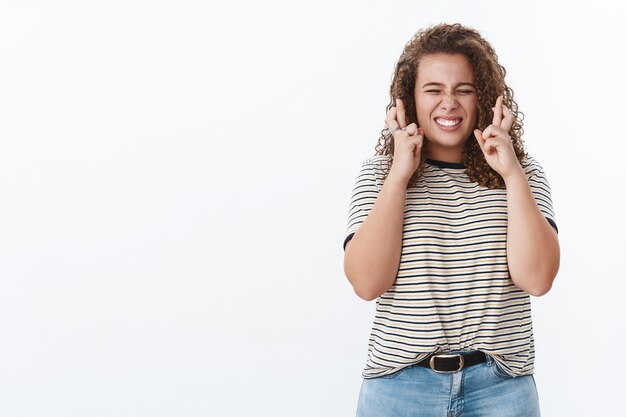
(174, 186)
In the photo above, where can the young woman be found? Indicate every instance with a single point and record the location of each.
(451, 229)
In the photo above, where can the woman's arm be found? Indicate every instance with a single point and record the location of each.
(372, 257)
(532, 245)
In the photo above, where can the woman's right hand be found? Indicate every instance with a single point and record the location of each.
(408, 141)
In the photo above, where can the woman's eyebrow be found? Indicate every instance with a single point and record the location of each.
(440, 84)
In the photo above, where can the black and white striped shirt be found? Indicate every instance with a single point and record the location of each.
(453, 290)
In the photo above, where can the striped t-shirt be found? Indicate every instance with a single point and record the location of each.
(453, 290)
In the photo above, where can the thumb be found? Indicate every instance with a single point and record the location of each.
(479, 137)
(411, 129)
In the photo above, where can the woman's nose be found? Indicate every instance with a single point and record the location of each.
(448, 102)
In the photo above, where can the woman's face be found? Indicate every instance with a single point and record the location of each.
(446, 103)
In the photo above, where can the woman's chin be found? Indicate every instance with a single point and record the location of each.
(447, 140)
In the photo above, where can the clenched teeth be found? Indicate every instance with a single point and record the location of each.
(445, 122)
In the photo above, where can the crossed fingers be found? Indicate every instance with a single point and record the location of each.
(502, 116)
(502, 122)
(396, 120)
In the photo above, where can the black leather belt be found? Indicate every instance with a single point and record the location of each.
(452, 362)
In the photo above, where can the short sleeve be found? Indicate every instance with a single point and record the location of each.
(540, 188)
(367, 185)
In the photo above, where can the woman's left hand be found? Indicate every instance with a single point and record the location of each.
(496, 143)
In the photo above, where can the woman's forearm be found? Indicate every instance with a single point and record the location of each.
(532, 245)
(372, 256)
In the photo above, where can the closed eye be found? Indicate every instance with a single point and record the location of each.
(460, 91)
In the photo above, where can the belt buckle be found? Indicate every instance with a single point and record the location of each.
(446, 355)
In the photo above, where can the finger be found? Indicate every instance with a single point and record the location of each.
(401, 114)
(497, 112)
(419, 142)
(490, 146)
(390, 120)
(411, 129)
(479, 138)
(496, 133)
(490, 132)
(421, 132)
(508, 120)
(416, 140)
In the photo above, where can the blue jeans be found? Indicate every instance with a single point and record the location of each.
(481, 390)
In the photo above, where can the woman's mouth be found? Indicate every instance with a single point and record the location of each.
(448, 124)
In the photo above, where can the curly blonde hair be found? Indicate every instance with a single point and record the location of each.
(489, 77)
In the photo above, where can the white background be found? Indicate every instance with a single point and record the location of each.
(174, 187)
